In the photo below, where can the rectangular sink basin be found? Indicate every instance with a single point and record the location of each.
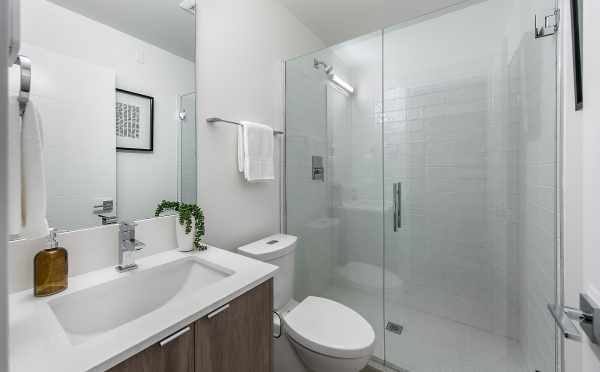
(91, 312)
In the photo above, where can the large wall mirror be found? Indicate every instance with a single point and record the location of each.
(114, 84)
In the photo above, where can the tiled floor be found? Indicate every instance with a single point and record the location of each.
(432, 344)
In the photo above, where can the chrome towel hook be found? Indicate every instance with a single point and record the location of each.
(25, 89)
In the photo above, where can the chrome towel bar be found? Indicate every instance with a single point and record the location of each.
(219, 120)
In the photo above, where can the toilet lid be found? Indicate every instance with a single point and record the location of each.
(269, 248)
(330, 328)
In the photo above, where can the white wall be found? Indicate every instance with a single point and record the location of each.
(3, 185)
(240, 49)
(581, 135)
(572, 187)
(139, 67)
(591, 169)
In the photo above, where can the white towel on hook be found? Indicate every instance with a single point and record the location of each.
(33, 179)
(15, 213)
(258, 155)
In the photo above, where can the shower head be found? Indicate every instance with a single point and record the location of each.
(317, 64)
(328, 69)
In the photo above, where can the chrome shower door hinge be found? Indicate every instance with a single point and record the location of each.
(587, 315)
(549, 24)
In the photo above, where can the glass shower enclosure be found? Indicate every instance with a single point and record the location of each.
(425, 197)
(186, 158)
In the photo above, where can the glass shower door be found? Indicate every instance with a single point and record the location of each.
(187, 165)
(334, 176)
(469, 149)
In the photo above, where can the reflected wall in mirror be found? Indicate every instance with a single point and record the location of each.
(81, 53)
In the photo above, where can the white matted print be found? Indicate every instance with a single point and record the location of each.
(134, 121)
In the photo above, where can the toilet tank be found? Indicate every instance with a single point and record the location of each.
(278, 250)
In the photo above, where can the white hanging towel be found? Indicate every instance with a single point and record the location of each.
(15, 213)
(258, 144)
(240, 149)
(33, 180)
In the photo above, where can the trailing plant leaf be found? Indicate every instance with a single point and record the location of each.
(186, 213)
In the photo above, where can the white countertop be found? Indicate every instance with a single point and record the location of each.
(39, 343)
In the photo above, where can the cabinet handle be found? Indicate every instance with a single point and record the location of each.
(397, 197)
(174, 336)
(218, 311)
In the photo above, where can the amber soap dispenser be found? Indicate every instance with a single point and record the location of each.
(51, 269)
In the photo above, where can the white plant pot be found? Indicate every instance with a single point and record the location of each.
(185, 242)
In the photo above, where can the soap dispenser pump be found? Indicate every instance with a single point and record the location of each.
(51, 268)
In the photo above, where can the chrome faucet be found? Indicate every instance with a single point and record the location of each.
(128, 245)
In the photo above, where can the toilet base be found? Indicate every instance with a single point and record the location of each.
(289, 356)
(286, 359)
(316, 362)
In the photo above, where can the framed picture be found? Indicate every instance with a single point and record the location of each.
(134, 121)
(577, 31)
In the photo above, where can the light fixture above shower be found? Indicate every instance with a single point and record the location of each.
(335, 79)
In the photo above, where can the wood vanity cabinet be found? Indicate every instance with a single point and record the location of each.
(172, 354)
(237, 337)
(234, 338)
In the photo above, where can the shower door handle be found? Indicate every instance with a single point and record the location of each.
(397, 197)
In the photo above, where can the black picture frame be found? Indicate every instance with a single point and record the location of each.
(576, 30)
(150, 100)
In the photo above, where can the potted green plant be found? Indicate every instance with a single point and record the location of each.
(190, 218)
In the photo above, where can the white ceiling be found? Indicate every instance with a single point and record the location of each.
(334, 21)
(162, 23)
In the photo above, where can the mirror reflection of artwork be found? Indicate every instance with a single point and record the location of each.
(128, 120)
(134, 121)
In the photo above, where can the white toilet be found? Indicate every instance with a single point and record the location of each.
(326, 336)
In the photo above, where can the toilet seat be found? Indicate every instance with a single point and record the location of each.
(330, 328)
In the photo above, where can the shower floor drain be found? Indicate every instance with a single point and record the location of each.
(394, 328)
